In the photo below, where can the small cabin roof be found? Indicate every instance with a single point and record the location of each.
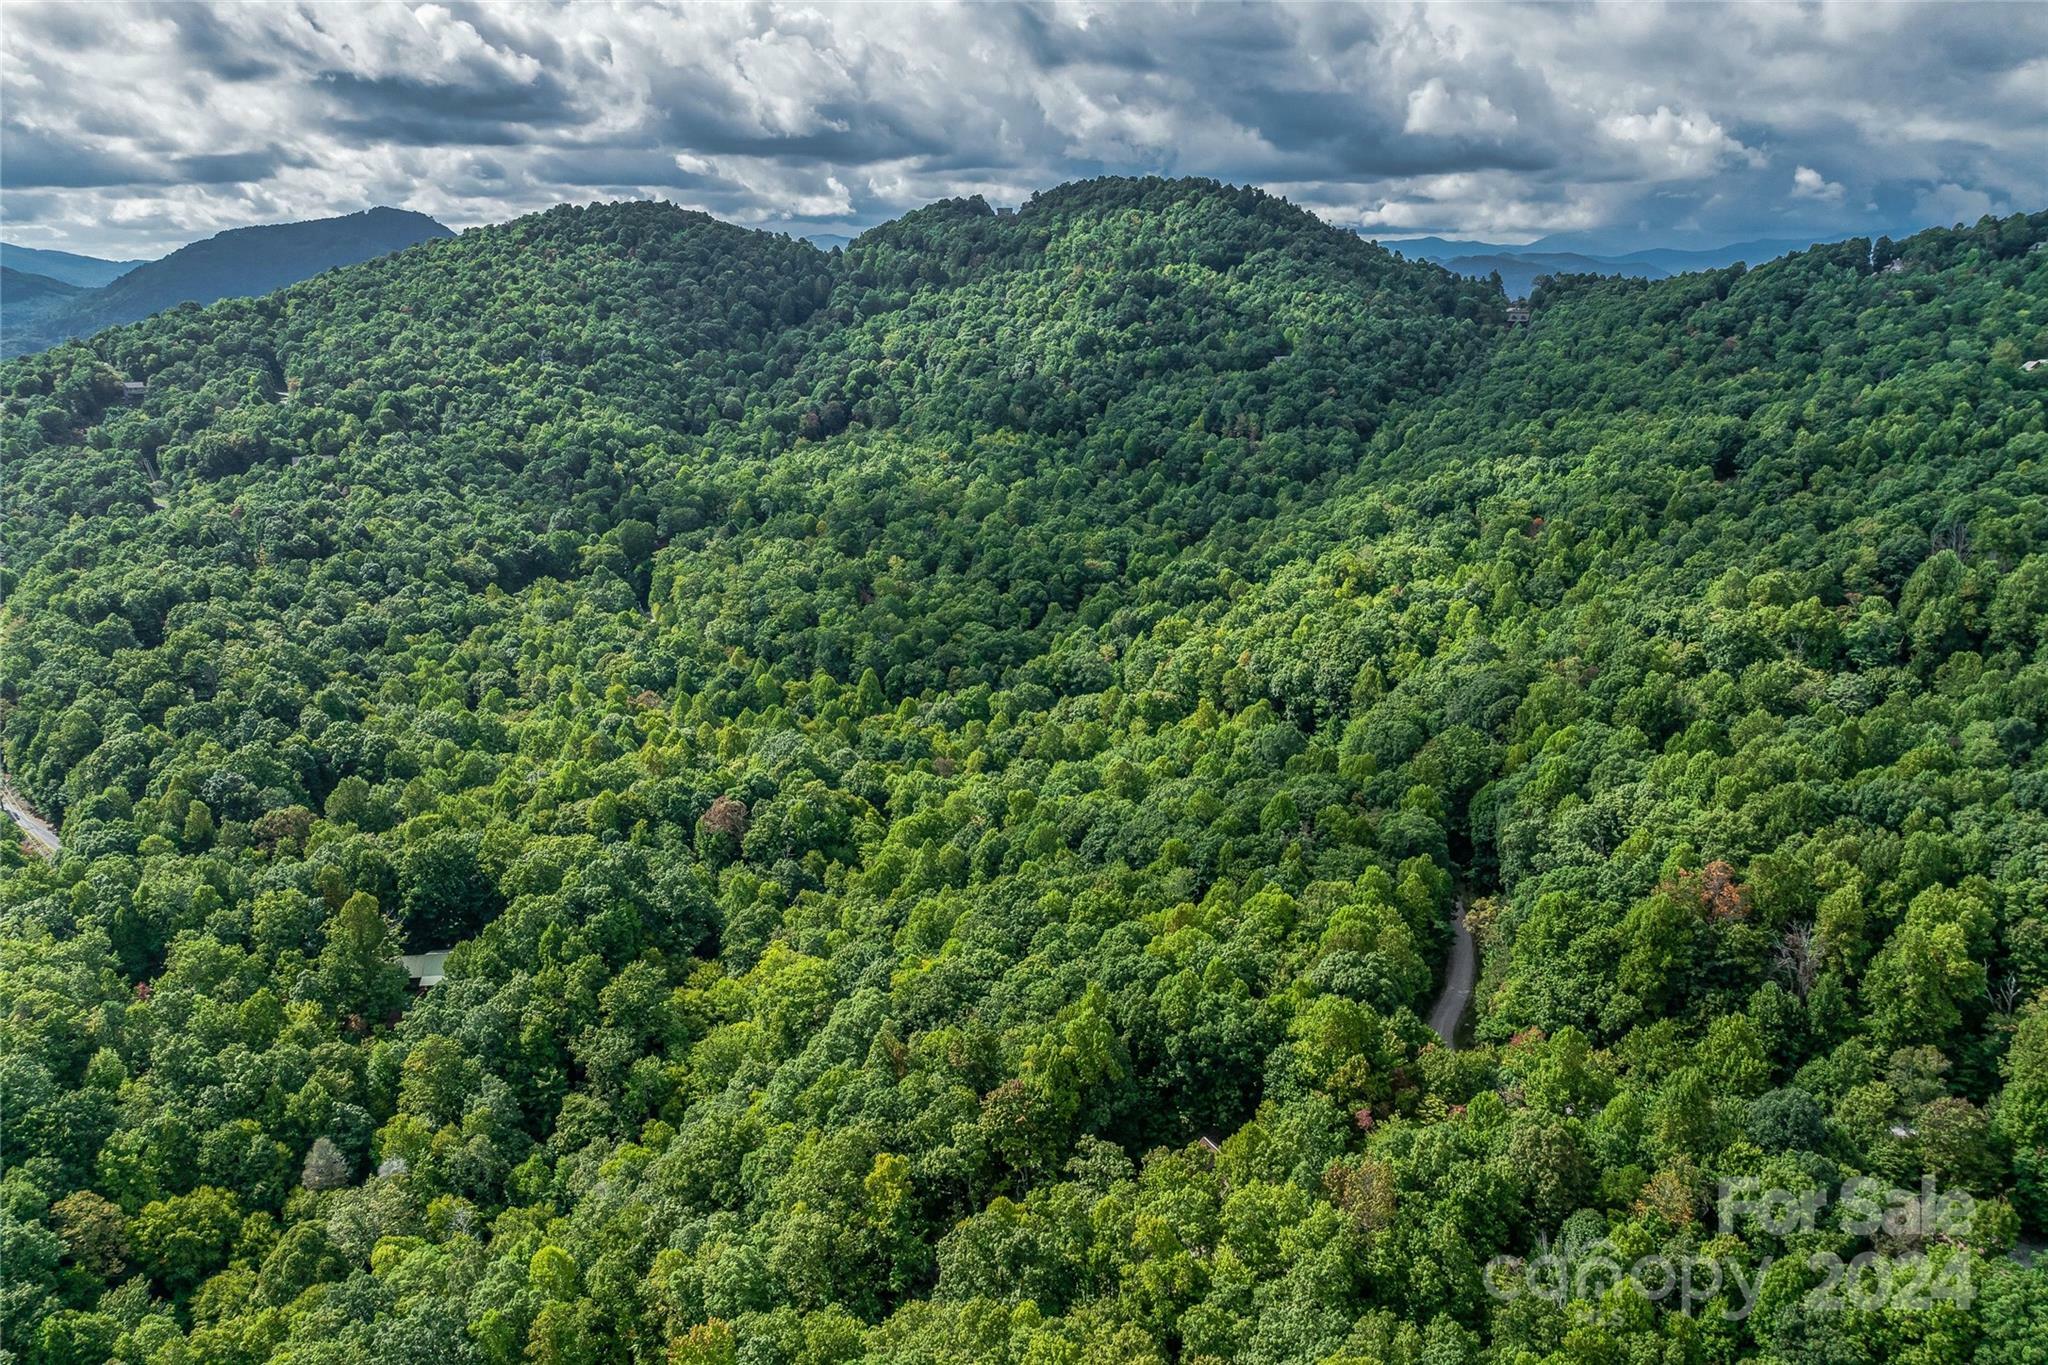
(426, 969)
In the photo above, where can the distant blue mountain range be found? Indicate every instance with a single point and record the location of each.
(89, 272)
(1594, 254)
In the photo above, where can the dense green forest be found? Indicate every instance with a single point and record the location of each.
(947, 768)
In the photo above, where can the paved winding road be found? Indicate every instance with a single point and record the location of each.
(1457, 994)
(33, 825)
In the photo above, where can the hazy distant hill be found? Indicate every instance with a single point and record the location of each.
(1519, 271)
(1693, 250)
(25, 297)
(1519, 267)
(1585, 254)
(89, 272)
(19, 286)
(244, 261)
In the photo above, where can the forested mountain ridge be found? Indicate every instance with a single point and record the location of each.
(909, 741)
(20, 286)
(241, 261)
(24, 295)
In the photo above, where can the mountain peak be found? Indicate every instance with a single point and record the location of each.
(384, 220)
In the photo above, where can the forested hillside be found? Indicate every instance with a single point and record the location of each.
(947, 768)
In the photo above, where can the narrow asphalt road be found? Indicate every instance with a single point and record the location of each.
(1457, 994)
(33, 825)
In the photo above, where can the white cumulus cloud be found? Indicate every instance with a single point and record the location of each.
(1808, 183)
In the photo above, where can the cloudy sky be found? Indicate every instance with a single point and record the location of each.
(127, 130)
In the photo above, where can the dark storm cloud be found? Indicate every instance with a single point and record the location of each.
(1049, 44)
(219, 168)
(1329, 139)
(212, 47)
(1468, 119)
(487, 108)
(33, 159)
(846, 132)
